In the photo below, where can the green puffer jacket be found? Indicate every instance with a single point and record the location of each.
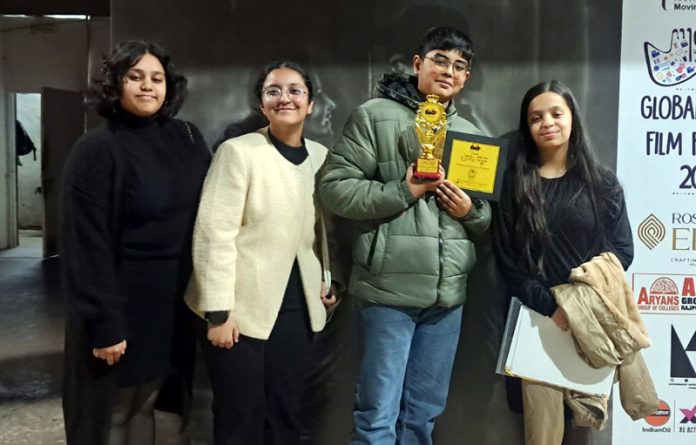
(407, 252)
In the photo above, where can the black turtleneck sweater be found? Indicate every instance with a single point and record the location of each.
(294, 297)
(130, 194)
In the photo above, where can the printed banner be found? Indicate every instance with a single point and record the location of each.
(656, 164)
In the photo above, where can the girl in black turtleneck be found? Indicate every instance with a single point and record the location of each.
(130, 193)
(559, 209)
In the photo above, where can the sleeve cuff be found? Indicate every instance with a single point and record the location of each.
(108, 332)
(476, 208)
(549, 309)
(406, 193)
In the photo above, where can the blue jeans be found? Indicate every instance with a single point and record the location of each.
(406, 368)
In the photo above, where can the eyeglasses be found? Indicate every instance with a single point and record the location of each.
(460, 67)
(295, 94)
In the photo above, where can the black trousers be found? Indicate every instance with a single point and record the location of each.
(257, 385)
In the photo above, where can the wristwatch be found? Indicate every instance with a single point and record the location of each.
(217, 317)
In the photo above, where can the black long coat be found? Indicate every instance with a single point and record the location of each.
(129, 197)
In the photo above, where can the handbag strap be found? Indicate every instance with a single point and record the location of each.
(325, 257)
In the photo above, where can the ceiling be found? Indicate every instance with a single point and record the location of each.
(97, 8)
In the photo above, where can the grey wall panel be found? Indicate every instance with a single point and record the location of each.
(221, 45)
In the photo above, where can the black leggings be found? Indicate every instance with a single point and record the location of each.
(133, 416)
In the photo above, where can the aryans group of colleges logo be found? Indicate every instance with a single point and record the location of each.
(665, 293)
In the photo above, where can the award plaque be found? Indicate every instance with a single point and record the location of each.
(431, 128)
(475, 163)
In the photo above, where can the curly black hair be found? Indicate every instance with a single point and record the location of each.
(107, 96)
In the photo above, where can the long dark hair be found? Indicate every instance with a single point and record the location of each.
(107, 96)
(531, 228)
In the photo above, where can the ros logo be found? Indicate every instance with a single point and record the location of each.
(651, 231)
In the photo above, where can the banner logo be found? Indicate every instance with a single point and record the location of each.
(663, 296)
(651, 231)
(679, 5)
(674, 65)
(661, 416)
(683, 357)
(665, 293)
(689, 415)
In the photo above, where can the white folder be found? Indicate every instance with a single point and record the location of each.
(534, 348)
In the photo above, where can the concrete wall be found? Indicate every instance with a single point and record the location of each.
(36, 53)
(8, 192)
(349, 44)
(54, 53)
(100, 45)
(45, 53)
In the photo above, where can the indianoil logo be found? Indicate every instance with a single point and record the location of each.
(657, 421)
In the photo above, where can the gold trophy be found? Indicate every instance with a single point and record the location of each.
(431, 128)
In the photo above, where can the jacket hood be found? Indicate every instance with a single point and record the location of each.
(400, 87)
(403, 88)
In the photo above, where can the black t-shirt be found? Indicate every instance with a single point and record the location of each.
(573, 237)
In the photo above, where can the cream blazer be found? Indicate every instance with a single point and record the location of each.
(257, 214)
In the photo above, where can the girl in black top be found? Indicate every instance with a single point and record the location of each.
(559, 208)
(130, 193)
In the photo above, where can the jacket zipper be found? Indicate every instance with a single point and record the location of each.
(439, 256)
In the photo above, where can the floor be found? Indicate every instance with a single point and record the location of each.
(31, 329)
(31, 355)
(31, 350)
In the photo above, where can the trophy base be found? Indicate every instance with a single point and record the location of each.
(427, 169)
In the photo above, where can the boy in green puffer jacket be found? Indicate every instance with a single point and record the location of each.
(412, 251)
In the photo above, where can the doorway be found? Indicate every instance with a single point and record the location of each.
(28, 142)
(30, 207)
(38, 52)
